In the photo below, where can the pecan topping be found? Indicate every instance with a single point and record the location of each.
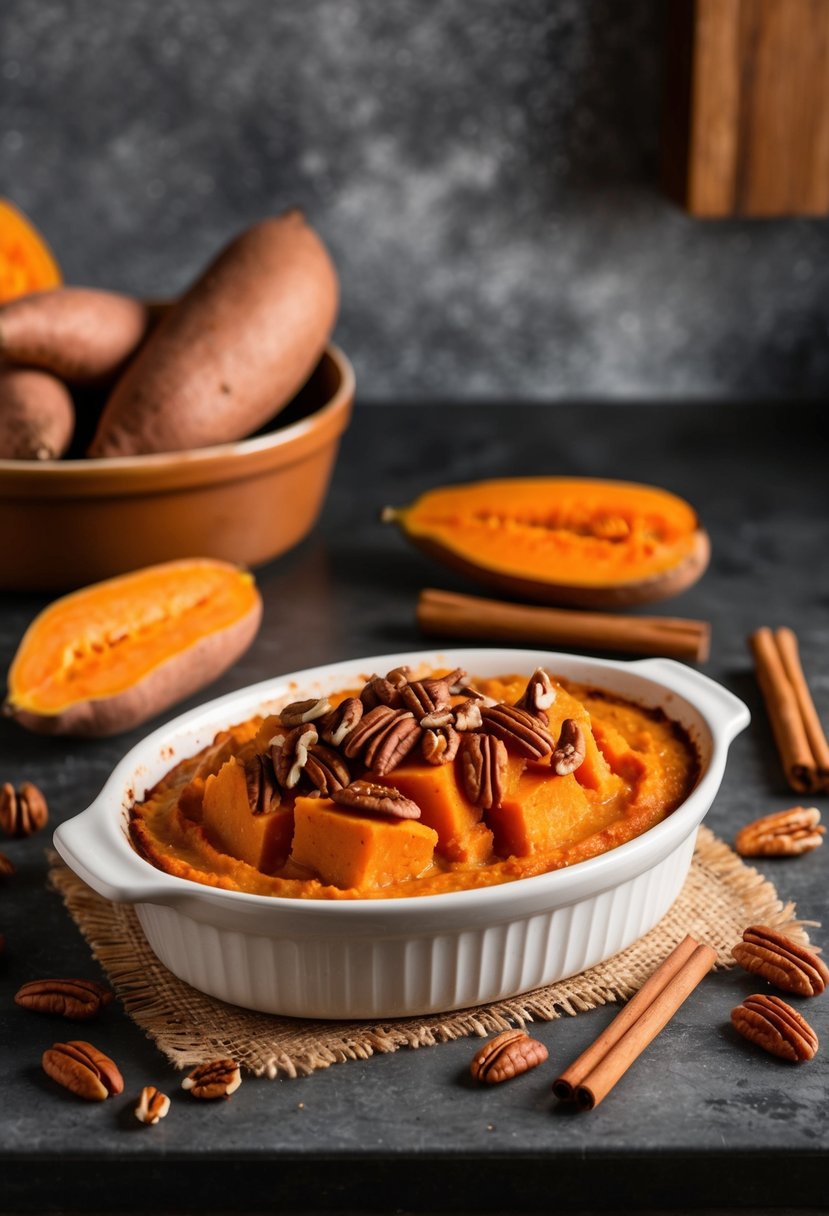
(468, 715)
(261, 782)
(300, 712)
(521, 732)
(83, 1070)
(782, 962)
(773, 1025)
(483, 769)
(383, 738)
(152, 1105)
(290, 753)
(24, 812)
(378, 690)
(78, 1000)
(570, 749)
(539, 694)
(374, 799)
(440, 746)
(398, 676)
(326, 769)
(444, 715)
(216, 1079)
(341, 721)
(6, 866)
(507, 1055)
(782, 834)
(455, 679)
(423, 697)
(474, 694)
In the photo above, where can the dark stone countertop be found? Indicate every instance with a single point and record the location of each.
(702, 1119)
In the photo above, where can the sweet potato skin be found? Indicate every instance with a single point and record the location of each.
(233, 350)
(80, 334)
(37, 417)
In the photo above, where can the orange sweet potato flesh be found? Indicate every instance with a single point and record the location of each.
(589, 542)
(80, 334)
(110, 656)
(462, 836)
(354, 851)
(37, 417)
(26, 261)
(232, 351)
(260, 840)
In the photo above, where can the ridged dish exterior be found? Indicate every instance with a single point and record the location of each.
(339, 977)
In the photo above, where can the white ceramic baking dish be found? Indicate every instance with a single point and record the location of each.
(398, 957)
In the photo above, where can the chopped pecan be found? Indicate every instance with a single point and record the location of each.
(570, 750)
(300, 712)
(341, 721)
(521, 732)
(475, 694)
(773, 1025)
(781, 961)
(216, 1079)
(483, 769)
(468, 715)
(82, 1069)
(455, 679)
(373, 799)
(782, 834)
(326, 769)
(382, 738)
(538, 696)
(290, 753)
(22, 812)
(152, 1106)
(260, 779)
(443, 715)
(6, 866)
(440, 746)
(378, 690)
(77, 1000)
(509, 1054)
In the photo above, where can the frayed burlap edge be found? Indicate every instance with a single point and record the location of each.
(720, 897)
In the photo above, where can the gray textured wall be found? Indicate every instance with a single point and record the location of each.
(483, 170)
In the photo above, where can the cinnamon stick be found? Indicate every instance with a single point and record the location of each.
(467, 616)
(590, 1078)
(799, 738)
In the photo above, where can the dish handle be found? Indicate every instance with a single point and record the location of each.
(729, 712)
(90, 846)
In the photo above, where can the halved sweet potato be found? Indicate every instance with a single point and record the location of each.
(110, 656)
(351, 851)
(594, 543)
(26, 261)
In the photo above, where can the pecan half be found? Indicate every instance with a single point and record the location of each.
(216, 1079)
(570, 749)
(782, 962)
(78, 1000)
(440, 746)
(782, 834)
(374, 799)
(22, 812)
(300, 712)
(82, 1069)
(378, 690)
(260, 779)
(509, 1054)
(773, 1025)
(423, 697)
(341, 721)
(483, 770)
(290, 753)
(326, 769)
(152, 1106)
(521, 732)
(539, 694)
(6, 866)
(383, 738)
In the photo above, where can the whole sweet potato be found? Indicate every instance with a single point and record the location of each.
(108, 657)
(78, 333)
(233, 350)
(37, 417)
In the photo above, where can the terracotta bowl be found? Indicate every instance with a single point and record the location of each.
(67, 523)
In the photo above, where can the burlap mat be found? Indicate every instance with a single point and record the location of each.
(721, 896)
